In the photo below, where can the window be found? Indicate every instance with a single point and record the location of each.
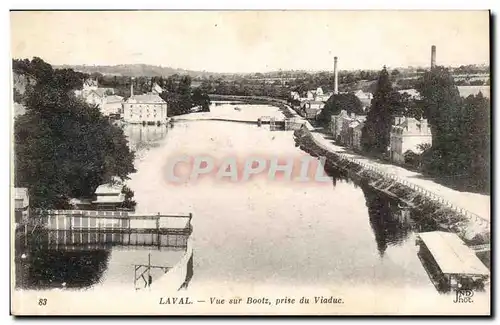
(77, 222)
(85, 222)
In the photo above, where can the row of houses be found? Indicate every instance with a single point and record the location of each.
(346, 129)
(147, 108)
(314, 101)
(310, 105)
(407, 134)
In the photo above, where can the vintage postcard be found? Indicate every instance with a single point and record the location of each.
(250, 163)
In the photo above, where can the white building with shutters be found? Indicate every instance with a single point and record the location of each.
(145, 109)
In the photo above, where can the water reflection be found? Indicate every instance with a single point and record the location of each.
(336, 174)
(38, 267)
(390, 222)
(57, 269)
(83, 259)
(142, 137)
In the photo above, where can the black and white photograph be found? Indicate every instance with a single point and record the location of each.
(250, 162)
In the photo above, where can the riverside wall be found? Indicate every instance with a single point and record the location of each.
(472, 228)
(180, 274)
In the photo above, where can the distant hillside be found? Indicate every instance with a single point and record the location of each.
(135, 70)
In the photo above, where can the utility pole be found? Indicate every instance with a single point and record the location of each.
(146, 269)
(149, 269)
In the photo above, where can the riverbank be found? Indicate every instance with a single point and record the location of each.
(258, 236)
(467, 214)
(470, 227)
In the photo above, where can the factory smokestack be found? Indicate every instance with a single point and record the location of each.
(131, 86)
(433, 56)
(336, 77)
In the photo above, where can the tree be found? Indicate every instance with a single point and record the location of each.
(424, 146)
(406, 105)
(375, 134)
(63, 147)
(338, 102)
(128, 203)
(184, 91)
(201, 99)
(460, 131)
(395, 73)
(441, 102)
(477, 135)
(412, 159)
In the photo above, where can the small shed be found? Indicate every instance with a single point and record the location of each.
(454, 264)
(109, 196)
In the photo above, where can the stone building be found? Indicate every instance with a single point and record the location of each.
(365, 98)
(317, 95)
(346, 129)
(104, 98)
(111, 105)
(310, 109)
(352, 138)
(146, 109)
(408, 134)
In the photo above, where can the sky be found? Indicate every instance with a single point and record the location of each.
(252, 41)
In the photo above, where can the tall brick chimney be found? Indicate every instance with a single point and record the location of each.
(336, 77)
(131, 86)
(433, 56)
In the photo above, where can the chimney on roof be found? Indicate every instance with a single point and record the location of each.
(335, 76)
(433, 56)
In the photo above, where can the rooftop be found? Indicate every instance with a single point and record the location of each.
(451, 254)
(101, 92)
(361, 93)
(110, 198)
(412, 92)
(107, 189)
(145, 98)
(114, 99)
(156, 88)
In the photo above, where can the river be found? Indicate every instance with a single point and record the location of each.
(269, 232)
(336, 236)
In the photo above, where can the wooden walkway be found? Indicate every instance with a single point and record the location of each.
(115, 221)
